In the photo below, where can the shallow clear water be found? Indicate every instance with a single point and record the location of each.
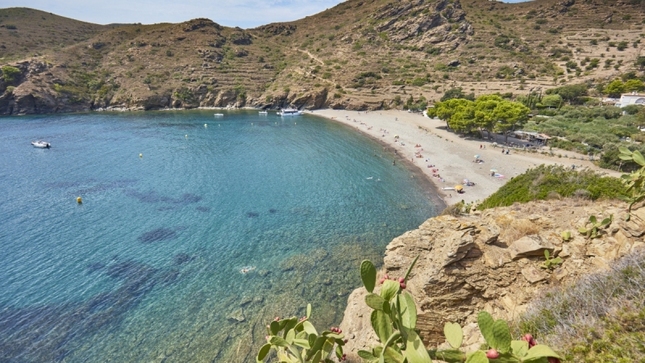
(148, 267)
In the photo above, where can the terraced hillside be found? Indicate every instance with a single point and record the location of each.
(361, 54)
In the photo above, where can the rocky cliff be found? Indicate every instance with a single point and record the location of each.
(491, 260)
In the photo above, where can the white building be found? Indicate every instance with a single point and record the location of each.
(631, 99)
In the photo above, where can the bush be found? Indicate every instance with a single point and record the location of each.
(632, 109)
(10, 74)
(536, 184)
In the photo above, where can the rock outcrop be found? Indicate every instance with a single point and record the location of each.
(491, 261)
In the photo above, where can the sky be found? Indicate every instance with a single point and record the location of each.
(242, 13)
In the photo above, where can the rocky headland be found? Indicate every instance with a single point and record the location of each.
(491, 260)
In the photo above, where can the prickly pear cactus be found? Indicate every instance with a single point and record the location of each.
(394, 319)
(297, 340)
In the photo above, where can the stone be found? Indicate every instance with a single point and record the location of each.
(639, 214)
(487, 233)
(496, 256)
(245, 300)
(638, 246)
(533, 275)
(529, 246)
(456, 248)
(605, 249)
(560, 273)
(633, 227)
(236, 315)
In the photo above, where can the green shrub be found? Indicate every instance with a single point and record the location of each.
(536, 184)
(10, 73)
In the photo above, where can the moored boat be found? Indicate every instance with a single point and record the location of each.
(41, 144)
(289, 112)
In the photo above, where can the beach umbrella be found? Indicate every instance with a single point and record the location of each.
(494, 170)
(477, 156)
(396, 136)
(459, 188)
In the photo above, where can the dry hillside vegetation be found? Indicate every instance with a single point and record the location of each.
(359, 54)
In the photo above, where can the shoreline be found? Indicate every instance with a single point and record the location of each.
(445, 158)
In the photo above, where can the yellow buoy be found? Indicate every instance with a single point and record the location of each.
(140, 155)
(79, 200)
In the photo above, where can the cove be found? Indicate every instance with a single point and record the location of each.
(194, 231)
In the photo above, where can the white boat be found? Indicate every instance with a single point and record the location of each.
(41, 144)
(290, 112)
(218, 114)
(263, 113)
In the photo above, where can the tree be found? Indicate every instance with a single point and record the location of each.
(615, 88)
(485, 112)
(634, 85)
(572, 93)
(508, 114)
(457, 112)
(456, 92)
(552, 101)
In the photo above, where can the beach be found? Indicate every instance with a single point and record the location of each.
(447, 158)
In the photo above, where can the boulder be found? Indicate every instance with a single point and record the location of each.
(532, 245)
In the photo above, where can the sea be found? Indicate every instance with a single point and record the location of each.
(192, 233)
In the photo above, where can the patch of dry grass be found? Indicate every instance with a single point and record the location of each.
(601, 318)
(514, 229)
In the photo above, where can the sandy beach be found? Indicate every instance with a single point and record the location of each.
(447, 158)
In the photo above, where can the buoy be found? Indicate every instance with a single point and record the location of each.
(79, 200)
(186, 136)
(205, 125)
(140, 155)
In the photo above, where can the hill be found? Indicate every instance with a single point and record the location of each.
(26, 32)
(359, 55)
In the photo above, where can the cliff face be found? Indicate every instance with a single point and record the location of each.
(491, 261)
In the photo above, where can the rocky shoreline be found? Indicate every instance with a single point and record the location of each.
(491, 260)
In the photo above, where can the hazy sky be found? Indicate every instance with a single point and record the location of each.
(242, 13)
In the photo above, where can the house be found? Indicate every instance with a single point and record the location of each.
(633, 98)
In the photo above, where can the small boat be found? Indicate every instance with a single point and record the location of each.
(218, 114)
(41, 144)
(263, 113)
(290, 112)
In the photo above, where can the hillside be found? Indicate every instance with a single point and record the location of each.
(358, 55)
(26, 32)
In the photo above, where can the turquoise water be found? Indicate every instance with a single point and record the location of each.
(149, 266)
